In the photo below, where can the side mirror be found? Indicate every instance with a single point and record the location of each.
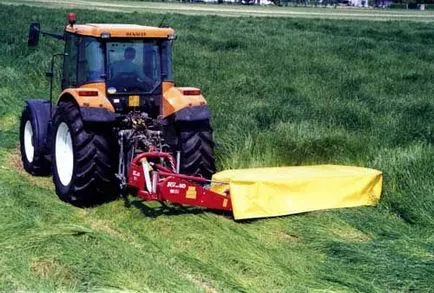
(34, 32)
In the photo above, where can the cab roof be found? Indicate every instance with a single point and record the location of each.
(120, 30)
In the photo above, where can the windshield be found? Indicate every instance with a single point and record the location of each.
(133, 66)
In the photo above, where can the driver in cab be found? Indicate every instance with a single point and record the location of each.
(127, 66)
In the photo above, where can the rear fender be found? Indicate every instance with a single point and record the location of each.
(192, 114)
(40, 110)
(175, 99)
(94, 106)
(178, 108)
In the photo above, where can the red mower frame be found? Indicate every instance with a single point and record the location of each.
(154, 182)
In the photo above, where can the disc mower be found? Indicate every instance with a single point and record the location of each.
(120, 125)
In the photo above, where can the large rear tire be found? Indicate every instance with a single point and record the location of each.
(83, 160)
(32, 156)
(195, 142)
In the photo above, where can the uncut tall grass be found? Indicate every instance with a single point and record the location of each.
(282, 92)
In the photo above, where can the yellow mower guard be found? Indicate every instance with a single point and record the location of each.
(270, 192)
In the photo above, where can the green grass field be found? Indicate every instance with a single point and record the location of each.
(283, 91)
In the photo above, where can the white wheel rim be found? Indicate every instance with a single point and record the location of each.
(28, 141)
(64, 154)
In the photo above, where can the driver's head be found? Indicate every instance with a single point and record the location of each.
(130, 53)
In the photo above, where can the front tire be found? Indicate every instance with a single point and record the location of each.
(195, 142)
(33, 158)
(82, 159)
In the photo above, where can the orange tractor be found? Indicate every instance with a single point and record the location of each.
(118, 101)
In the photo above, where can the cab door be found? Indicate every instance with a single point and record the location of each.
(70, 60)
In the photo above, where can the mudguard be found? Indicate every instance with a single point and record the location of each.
(176, 99)
(190, 114)
(40, 110)
(95, 108)
(97, 115)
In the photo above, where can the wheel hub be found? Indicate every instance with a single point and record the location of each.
(64, 154)
(28, 141)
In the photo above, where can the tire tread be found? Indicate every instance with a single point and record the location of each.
(93, 180)
(197, 149)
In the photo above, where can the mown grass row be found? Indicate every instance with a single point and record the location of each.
(282, 92)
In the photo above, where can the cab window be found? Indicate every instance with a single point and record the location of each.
(70, 61)
(90, 61)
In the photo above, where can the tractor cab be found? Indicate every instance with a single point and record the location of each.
(120, 60)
